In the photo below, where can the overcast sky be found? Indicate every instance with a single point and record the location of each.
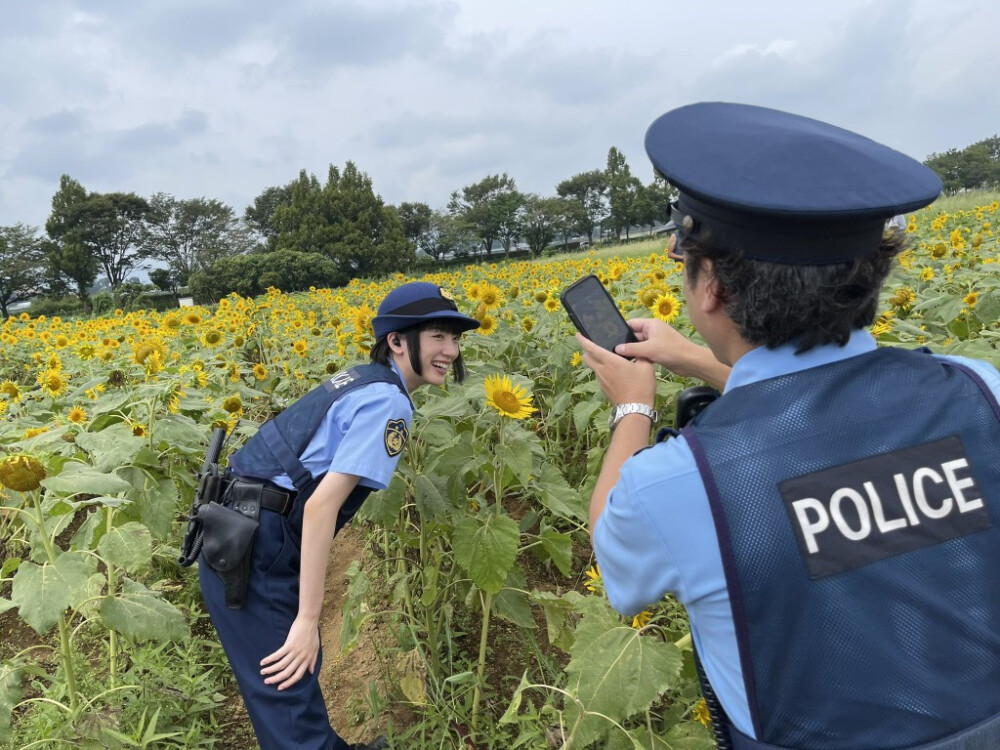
(222, 99)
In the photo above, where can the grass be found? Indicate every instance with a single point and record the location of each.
(966, 201)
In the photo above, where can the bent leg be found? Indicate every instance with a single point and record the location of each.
(290, 719)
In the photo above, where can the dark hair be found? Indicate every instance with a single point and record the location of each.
(777, 303)
(383, 355)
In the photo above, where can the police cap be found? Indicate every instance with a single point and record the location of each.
(415, 303)
(781, 187)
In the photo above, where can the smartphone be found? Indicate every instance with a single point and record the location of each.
(595, 314)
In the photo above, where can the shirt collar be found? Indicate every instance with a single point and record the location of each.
(399, 374)
(762, 363)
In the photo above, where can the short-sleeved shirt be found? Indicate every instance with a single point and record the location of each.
(656, 534)
(351, 439)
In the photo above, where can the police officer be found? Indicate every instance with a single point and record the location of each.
(303, 476)
(832, 521)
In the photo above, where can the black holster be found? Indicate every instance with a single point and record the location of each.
(228, 547)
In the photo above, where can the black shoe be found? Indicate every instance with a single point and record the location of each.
(379, 743)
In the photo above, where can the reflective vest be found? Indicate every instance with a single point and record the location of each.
(277, 445)
(857, 506)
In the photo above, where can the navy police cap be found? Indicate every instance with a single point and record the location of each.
(781, 187)
(415, 303)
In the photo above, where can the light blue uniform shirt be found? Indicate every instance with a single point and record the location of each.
(656, 534)
(351, 437)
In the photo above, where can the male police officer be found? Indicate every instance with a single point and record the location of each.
(832, 522)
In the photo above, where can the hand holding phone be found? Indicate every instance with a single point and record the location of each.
(595, 314)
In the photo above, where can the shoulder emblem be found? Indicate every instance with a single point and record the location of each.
(395, 436)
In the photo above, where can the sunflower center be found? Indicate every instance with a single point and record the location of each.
(507, 402)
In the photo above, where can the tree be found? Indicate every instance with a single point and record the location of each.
(250, 275)
(623, 193)
(110, 226)
(345, 221)
(974, 167)
(489, 207)
(587, 191)
(22, 266)
(67, 257)
(541, 221)
(190, 235)
(416, 219)
(653, 202)
(259, 216)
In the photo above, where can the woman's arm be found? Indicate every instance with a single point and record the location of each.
(288, 664)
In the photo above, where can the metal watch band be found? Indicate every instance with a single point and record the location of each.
(632, 408)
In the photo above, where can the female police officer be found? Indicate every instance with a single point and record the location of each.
(303, 475)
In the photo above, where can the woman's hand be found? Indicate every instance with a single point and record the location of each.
(288, 664)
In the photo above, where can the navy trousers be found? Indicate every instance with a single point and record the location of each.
(290, 719)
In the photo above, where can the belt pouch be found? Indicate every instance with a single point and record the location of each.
(228, 548)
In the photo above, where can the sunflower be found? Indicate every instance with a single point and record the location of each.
(259, 371)
(927, 274)
(138, 428)
(649, 295)
(594, 583)
(233, 403)
(300, 347)
(551, 304)
(971, 299)
(143, 350)
(10, 390)
(192, 318)
(21, 473)
(642, 619)
(77, 415)
(212, 337)
(52, 382)
(666, 307)
(509, 400)
(700, 713)
(489, 295)
(527, 323)
(487, 325)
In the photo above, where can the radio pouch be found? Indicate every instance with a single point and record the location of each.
(228, 548)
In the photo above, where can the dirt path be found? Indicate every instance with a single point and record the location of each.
(345, 678)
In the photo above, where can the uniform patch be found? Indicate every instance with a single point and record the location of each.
(341, 379)
(395, 436)
(446, 294)
(869, 510)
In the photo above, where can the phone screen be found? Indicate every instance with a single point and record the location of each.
(595, 313)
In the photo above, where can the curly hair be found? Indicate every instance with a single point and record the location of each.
(778, 303)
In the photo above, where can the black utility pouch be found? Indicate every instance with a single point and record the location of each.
(228, 549)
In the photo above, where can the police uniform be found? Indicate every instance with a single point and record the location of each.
(830, 522)
(355, 423)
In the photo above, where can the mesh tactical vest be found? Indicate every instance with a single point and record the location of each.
(277, 445)
(857, 507)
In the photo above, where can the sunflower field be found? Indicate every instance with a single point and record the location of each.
(479, 566)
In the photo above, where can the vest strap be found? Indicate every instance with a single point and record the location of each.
(298, 473)
(982, 736)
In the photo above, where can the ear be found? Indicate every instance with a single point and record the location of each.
(395, 343)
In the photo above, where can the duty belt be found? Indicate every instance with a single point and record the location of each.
(244, 494)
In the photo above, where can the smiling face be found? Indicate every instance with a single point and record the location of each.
(436, 349)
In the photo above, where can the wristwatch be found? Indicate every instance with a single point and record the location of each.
(633, 408)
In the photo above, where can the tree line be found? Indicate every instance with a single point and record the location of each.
(308, 233)
(975, 167)
(305, 233)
